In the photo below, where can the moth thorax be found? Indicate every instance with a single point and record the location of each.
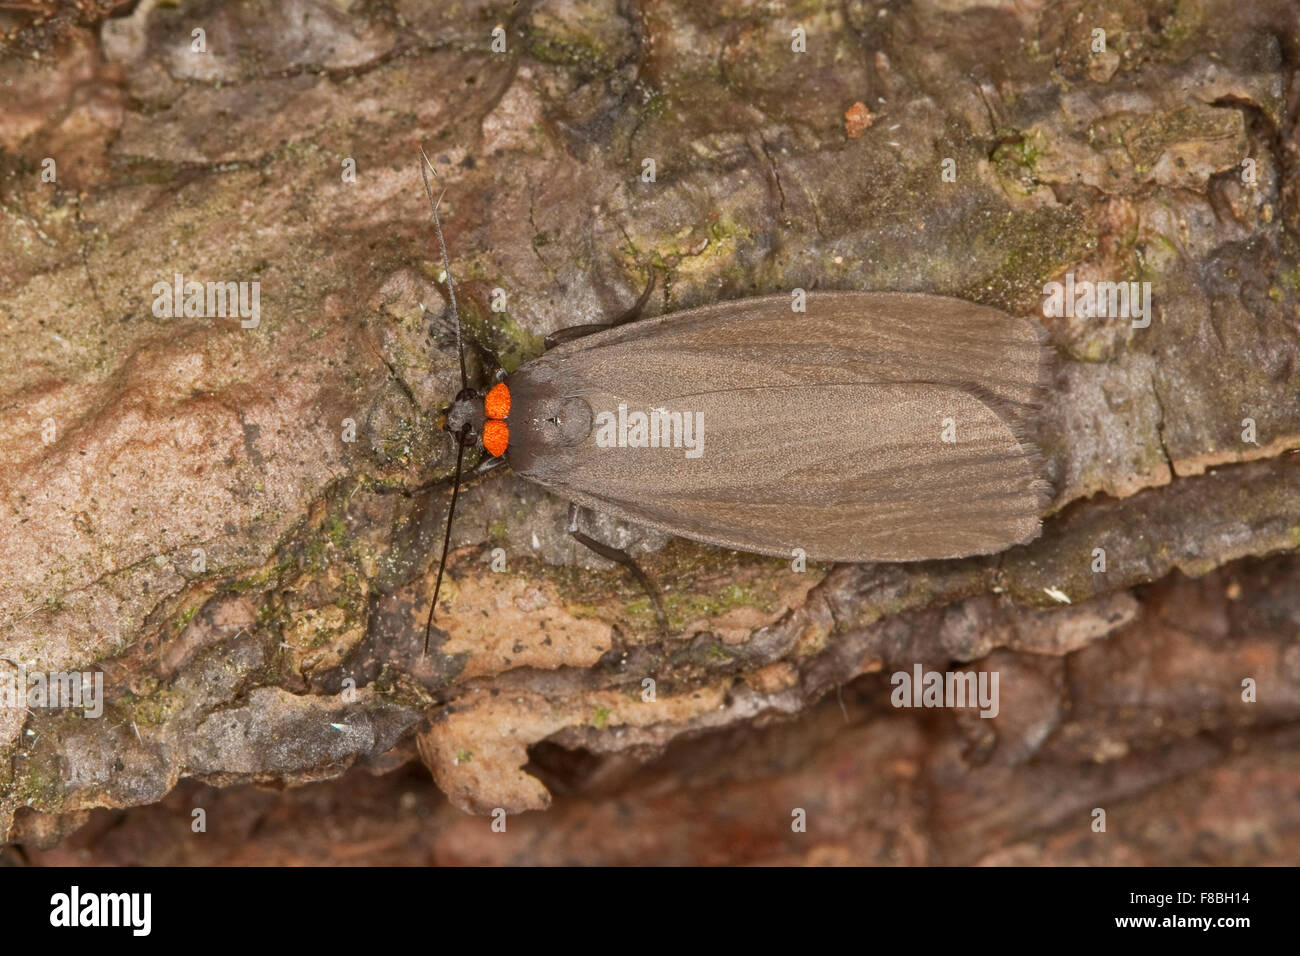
(565, 421)
(496, 433)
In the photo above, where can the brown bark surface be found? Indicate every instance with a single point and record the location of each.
(278, 683)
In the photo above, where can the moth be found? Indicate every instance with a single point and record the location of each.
(870, 427)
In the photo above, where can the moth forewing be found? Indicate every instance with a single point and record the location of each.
(876, 427)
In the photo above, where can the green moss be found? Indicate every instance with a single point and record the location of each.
(568, 43)
(601, 718)
(724, 230)
(264, 579)
(1095, 350)
(152, 710)
(501, 334)
(1015, 160)
(560, 50)
(590, 610)
(684, 608)
(656, 106)
(40, 784)
(184, 618)
(336, 529)
(1182, 22)
(1025, 151)
(1034, 52)
(1156, 256)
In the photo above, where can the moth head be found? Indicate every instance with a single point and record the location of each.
(466, 410)
(485, 415)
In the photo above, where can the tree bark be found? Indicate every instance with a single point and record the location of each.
(207, 510)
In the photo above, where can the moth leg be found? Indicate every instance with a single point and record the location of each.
(620, 556)
(634, 313)
(486, 465)
(407, 492)
(579, 331)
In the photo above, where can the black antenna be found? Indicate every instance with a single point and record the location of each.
(463, 434)
(446, 263)
(446, 538)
